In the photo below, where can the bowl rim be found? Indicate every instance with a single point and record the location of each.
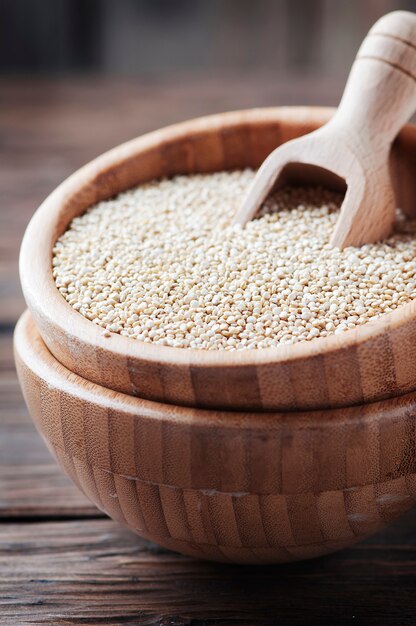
(42, 295)
(31, 350)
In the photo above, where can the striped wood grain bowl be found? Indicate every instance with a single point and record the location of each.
(226, 486)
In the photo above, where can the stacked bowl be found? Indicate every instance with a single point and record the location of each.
(249, 456)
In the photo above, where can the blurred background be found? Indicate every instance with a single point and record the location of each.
(154, 38)
(80, 76)
(182, 57)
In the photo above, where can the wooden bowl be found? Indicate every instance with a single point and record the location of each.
(374, 361)
(226, 486)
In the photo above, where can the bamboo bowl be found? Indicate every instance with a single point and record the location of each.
(225, 486)
(374, 361)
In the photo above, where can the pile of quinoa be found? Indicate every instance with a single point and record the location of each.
(162, 263)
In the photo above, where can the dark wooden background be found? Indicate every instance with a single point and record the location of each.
(61, 560)
(165, 37)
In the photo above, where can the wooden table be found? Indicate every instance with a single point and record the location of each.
(61, 560)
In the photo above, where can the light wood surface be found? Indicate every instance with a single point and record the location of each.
(374, 361)
(238, 487)
(351, 152)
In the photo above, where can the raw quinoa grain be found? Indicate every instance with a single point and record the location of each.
(161, 263)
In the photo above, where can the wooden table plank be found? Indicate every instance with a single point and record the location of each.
(6, 349)
(96, 572)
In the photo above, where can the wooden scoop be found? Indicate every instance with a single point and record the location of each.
(352, 150)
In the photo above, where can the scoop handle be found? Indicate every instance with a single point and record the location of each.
(380, 94)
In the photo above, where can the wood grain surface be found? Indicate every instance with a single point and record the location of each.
(92, 571)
